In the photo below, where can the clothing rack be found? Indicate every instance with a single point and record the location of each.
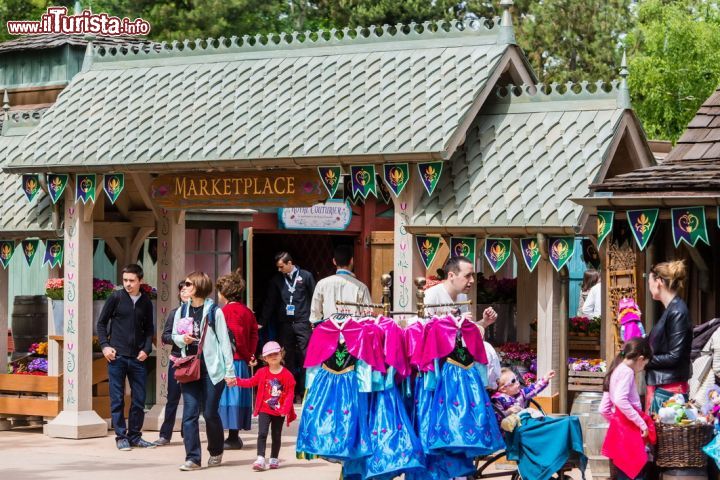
(385, 305)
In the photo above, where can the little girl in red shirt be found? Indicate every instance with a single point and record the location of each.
(274, 402)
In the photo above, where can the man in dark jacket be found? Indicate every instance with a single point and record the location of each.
(125, 331)
(288, 305)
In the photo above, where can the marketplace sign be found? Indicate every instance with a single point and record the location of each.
(332, 215)
(280, 188)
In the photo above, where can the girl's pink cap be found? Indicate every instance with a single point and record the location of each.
(271, 347)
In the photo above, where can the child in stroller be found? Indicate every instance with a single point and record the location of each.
(511, 398)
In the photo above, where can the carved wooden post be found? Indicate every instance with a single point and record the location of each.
(4, 277)
(77, 419)
(406, 261)
(548, 332)
(171, 270)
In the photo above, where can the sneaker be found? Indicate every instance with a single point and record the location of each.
(161, 441)
(274, 463)
(236, 444)
(123, 444)
(143, 444)
(259, 464)
(215, 460)
(189, 465)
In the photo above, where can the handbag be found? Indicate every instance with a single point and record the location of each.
(187, 369)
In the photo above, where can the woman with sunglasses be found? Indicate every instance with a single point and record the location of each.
(202, 319)
(671, 338)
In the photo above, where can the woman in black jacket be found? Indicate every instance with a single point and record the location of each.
(671, 338)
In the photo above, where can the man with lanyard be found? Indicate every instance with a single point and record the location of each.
(343, 286)
(288, 303)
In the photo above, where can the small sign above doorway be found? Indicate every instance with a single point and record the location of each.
(331, 215)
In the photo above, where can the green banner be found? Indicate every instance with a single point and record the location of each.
(530, 252)
(561, 250)
(85, 187)
(497, 251)
(56, 183)
(7, 248)
(331, 177)
(642, 224)
(31, 186)
(689, 225)
(428, 248)
(430, 175)
(463, 247)
(396, 176)
(113, 184)
(363, 180)
(604, 224)
(30, 248)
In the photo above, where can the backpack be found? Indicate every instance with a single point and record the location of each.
(211, 322)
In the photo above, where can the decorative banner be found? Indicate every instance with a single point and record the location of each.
(590, 253)
(85, 187)
(56, 183)
(689, 225)
(330, 177)
(384, 191)
(428, 247)
(430, 175)
(363, 180)
(604, 224)
(396, 176)
(113, 184)
(7, 248)
(31, 186)
(29, 248)
(53, 253)
(497, 251)
(642, 224)
(530, 252)
(561, 249)
(463, 247)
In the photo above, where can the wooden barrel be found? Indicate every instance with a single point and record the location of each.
(599, 464)
(583, 406)
(684, 474)
(29, 321)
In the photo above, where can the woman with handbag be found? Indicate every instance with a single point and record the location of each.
(203, 370)
(671, 338)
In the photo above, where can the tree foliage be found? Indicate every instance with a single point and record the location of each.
(674, 62)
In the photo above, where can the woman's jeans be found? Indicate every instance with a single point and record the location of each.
(173, 399)
(202, 396)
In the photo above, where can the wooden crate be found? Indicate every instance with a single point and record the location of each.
(585, 381)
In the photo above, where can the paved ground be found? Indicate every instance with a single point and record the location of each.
(27, 454)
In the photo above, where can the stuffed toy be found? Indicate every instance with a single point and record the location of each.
(630, 320)
(712, 406)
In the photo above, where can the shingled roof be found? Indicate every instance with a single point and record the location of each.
(526, 155)
(20, 218)
(368, 94)
(693, 166)
(44, 42)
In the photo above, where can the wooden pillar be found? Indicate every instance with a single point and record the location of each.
(548, 334)
(526, 299)
(4, 277)
(362, 258)
(77, 419)
(406, 260)
(170, 271)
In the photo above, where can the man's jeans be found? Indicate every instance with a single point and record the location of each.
(173, 399)
(202, 396)
(135, 372)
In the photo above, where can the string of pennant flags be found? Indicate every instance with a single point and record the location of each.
(85, 186)
(53, 251)
(395, 175)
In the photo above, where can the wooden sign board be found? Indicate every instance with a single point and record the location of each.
(275, 188)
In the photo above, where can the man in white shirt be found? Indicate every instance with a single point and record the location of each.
(460, 278)
(343, 286)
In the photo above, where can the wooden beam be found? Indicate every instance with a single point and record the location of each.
(30, 383)
(115, 248)
(88, 211)
(137, 242)
(107, 230)
(99, 206)
(29, 406)
(143, 182)
(142, 218)
(123, 205)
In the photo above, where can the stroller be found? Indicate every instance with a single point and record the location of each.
(532, 437)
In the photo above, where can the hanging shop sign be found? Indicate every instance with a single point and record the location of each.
(497, 251)
(642, 224)
(279, 188)
(530, 252)
(604, 224)
(560, 251)
(463, 247)
(331, 215)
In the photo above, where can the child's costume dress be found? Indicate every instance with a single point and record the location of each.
(333, 424)
(461, 416)
(630, 320)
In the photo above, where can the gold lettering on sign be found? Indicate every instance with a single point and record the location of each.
(226, 184)
(203, 187)
(277, 189)
(291, 185)
(192, 191)
(215, 187)
(268, 187)
(180, 186)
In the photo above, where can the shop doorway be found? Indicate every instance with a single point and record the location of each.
(311, 252)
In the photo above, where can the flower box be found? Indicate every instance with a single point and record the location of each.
(586, 381)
